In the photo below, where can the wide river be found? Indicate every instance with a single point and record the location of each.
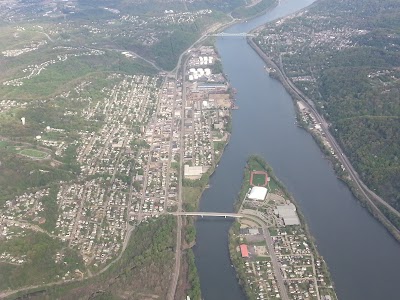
(363, 258)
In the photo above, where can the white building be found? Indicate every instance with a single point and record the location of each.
(257, 193)
(193, 172)
(288, 214)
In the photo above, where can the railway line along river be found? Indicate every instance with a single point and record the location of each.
(363, 258)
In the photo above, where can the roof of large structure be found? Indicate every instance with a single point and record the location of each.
(258, 193)
(193, 171)
(288, 214)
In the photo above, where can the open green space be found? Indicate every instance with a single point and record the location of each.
(64, 75)
(3, 144)
(50, 211)
(17, 174)
(11, 38)
(33, 153)
(143, 272)
(39, 251)
(259, 179)
(191, 196)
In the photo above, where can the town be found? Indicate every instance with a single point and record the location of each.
(129, 163)
(270, 248)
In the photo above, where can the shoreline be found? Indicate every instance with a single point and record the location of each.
(233, 232)
(370, 205)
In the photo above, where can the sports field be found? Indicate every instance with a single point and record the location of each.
(33, 153)
(259, 178)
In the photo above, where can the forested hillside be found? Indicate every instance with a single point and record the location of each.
(345, 55)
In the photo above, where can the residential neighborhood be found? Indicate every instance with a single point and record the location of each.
(130, 165)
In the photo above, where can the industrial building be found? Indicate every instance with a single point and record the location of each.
(288, 214)
(211, 87)
(193, 172)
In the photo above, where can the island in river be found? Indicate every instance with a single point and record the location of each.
(270, 246)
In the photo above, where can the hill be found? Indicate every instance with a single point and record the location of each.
(345, 56)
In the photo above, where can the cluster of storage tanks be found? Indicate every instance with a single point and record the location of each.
(195, 74)
(206, 60)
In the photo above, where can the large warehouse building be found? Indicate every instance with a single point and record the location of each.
(288, 214)
(258, 193)
(193, 172)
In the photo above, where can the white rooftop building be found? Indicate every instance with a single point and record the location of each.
(288, 214)
(258, 193)
(193, 172)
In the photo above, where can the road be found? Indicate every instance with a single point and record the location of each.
(181, 67)
(275, 263)
(369, 195)
(207, 214)
(258, 218)
(178, 246)
(274, 259)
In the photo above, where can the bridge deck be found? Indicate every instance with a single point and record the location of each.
(208, 214)
(226, 34)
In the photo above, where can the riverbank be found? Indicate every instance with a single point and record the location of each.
(338, 162)
(304, 272)
(207, 104)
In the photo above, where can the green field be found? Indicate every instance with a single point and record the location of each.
(3, 144)
(33, 153)
(64, 75)
(40, 266)
(259, 179)
(143, 272)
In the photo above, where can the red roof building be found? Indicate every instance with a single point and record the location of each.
(244, 250)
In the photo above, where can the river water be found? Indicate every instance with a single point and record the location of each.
(363, 258)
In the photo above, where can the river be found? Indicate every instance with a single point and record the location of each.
(363, 258)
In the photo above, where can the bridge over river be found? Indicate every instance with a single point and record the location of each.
(207, 214)
(226, 34)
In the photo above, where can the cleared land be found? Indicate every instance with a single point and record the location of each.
(33, 153)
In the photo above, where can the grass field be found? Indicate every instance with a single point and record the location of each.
(64, 75)
(3, 144)
(33, 153)
(191, 197)
(259, 179)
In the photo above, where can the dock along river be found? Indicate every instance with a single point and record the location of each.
(362, 256)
